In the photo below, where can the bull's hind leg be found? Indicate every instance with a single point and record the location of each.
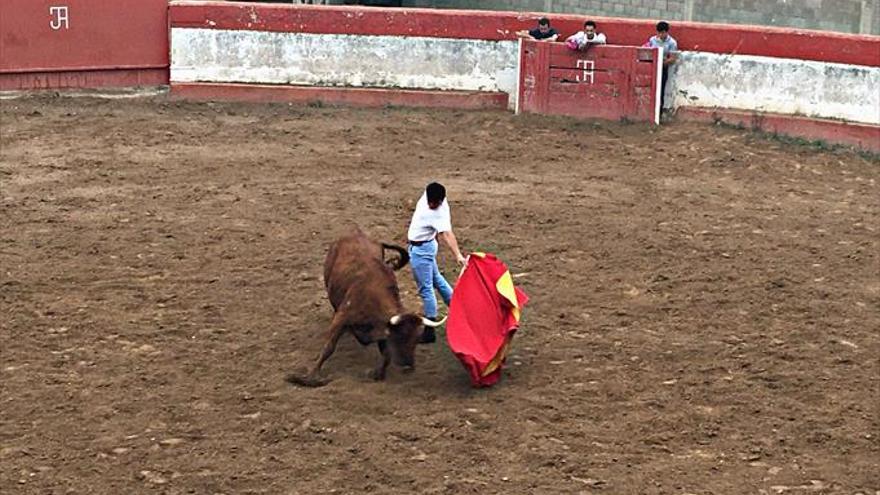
(311, 379)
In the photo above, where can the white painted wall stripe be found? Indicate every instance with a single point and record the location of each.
(202, 55)
(515, 97)
(659, 75)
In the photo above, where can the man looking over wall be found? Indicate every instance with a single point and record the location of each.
(542, 32)
(583, 39)
(670, 54)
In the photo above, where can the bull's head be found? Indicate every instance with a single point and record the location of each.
(404, 332)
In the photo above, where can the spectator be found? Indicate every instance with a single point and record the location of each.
(583, 39)
(543, 32)
(670, 54)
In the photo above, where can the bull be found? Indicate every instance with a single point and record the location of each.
(363, 291)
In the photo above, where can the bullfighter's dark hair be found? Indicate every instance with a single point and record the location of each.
(590, 23)
(436, 192)
(543, 21)
(662, 27)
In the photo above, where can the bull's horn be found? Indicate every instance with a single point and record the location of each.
(395, 320)
(432, 323)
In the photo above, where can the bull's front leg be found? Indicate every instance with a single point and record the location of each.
(378, 374)
(311, 379)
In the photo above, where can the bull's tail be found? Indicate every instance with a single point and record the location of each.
(401, 261)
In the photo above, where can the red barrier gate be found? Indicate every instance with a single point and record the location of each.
(605, 82)
(83, 43)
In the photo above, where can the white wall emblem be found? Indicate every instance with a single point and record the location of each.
(60, 18)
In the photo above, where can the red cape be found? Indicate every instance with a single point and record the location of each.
(483, 316)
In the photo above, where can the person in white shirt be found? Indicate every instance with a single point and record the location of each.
(430, 220)
(583, 39)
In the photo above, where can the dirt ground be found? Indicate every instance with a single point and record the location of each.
(704, 317)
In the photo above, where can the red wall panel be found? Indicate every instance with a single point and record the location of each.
(41, 36)
(605, 82)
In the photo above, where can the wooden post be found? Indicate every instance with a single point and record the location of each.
(689, 10)
(869, 8)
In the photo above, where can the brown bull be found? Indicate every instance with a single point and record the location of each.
(362, 288)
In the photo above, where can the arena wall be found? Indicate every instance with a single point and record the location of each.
(724, 69)
(465, 59)
(501, 26)
(776, 85)
(247, 56)
(83, 43)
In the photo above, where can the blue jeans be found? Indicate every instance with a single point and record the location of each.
(427, 276)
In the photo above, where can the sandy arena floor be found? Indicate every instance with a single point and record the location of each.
(704, 318)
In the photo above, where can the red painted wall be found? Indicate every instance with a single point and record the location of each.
(716, 38)
(38, 45)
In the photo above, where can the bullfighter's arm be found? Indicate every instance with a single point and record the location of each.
(450, 240)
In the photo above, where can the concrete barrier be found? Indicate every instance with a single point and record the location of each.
(723, 71)
(469, 57)
(500, 26)
(414, 62)
(776, 85)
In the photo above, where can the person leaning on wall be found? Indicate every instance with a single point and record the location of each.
(543, 32)
(670, 55)
(583, 39)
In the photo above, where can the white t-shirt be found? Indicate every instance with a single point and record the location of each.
(581, 39)
(427, 223)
